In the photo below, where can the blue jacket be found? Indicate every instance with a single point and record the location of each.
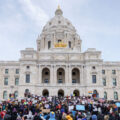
(52, 116)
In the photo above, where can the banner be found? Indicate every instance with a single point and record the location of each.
(117, 104)
(80, 107)
(90, 92)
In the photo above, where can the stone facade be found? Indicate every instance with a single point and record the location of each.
(58, 67)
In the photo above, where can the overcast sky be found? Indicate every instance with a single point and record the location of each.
(96, 21)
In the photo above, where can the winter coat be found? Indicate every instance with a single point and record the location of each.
(52, 116)
(68, 117)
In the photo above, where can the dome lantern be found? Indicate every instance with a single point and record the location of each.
(58, 11)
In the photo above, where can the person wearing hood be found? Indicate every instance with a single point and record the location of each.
(52, 116)
(94, 117)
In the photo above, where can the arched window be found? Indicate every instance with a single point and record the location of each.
(16, 94)
(61, 93)
(49, 44)
(75, 75)
(69, 44)
(26, 90)
(76, 93)
(61, 75)
(5, 95)
(105, 95)
(45, 93)
(115, 95)
(95, 94)
(46, 75)
(6, 81)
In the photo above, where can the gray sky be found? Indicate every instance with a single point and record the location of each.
(97, 22)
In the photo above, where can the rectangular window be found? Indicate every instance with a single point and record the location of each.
(103, 72)
(69, 44)
(114, 82)
(93, 78)
(59, 41)
(49, 44)
(113, 71)
(73, 81)
(6, 71)
(16, 81)
(60, 81)
(104, 82)
(27, 78)
(17, 71)
(5, 81)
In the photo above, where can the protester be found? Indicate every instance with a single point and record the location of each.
(35, 107)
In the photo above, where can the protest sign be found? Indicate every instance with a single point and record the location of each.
(80, 107)
(46, 110)
(71, 108)
(117, 104)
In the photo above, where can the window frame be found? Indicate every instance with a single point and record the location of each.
(114, 72)
(74, 81)
(103, 72)
(60, 81)
(17, 71)
(70, 44)
(114, 82)
(49, 44)
(104, 81)
(16, 81)
(46, 80)
(27, 78)
(6, 81)
(6, 71)
(94, 81)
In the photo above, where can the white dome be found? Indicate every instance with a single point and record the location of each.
(59, 22)
(58, 35)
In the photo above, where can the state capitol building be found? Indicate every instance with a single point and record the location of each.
(59, 68)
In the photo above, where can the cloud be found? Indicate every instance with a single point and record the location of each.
(36, 13)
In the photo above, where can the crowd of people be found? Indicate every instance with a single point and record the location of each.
(35, 107)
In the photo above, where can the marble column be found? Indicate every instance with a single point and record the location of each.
(55, 74)
(52, 75)
(70, 75)
(40, 74)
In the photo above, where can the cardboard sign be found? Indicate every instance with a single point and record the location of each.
(71, 108)
(46, 110)
(80, 107)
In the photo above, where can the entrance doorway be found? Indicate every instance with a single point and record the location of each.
(95, 94)
(45, 93)
(76, 93)
(60, 93)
